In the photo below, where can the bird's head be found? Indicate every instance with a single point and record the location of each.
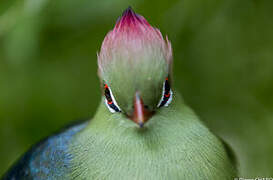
(134, 67)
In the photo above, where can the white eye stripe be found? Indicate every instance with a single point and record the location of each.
(170, 98)
(167, 95)
(114, 100)
(109, 108)
(162, 96)
(110, 100)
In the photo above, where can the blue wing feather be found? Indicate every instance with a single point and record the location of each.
(49, 159)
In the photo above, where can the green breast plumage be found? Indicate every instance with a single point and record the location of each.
(173, 145)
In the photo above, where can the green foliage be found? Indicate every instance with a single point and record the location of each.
(223, 66)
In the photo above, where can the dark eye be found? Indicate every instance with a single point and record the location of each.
(110, 101)
(167, 94)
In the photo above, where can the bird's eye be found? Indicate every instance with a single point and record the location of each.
(167, 94)
(110, 101)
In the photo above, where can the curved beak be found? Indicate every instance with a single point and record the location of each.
(140, 114)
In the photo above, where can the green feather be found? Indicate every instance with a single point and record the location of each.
(173, 144)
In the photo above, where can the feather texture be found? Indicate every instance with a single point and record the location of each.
(174, 144)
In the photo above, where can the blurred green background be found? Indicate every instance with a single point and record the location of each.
(223, 54)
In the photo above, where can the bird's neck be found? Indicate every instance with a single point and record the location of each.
(117, 128)
(111, 139)
(112, 145)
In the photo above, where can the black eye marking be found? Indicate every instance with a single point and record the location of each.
(110, 100)
(166, 94)
(146, 107)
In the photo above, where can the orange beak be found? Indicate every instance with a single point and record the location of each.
(140, 114)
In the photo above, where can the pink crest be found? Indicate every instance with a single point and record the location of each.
(131, 37)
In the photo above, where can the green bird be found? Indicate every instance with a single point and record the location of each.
(142, 128)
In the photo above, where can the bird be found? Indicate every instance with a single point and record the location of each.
(142, 128)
